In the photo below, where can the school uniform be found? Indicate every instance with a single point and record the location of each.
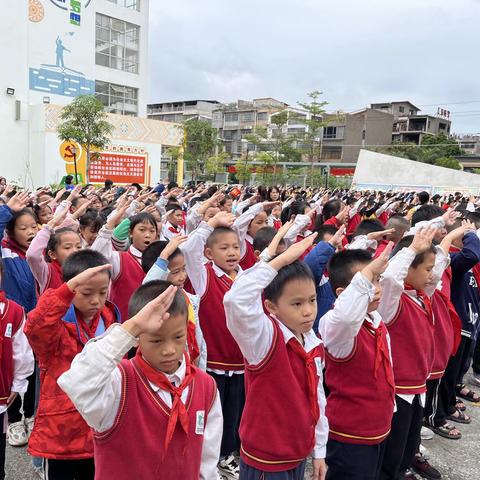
(225, 361)
(57, 333)
(274, 222)
(409, 319)
(284, 417)
(170, 231)
(359, 377)
(127, 272)
(119, 400)
(16, 362)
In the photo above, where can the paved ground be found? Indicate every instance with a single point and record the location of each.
(456, 459)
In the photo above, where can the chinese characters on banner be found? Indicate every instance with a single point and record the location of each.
(119, 167)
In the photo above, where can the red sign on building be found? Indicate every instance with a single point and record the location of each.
(340, 172)
(119, 167)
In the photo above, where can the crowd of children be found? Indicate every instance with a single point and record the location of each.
(225, 332)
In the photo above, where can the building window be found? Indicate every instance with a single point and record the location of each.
(333, 133)
(117, 98)
(262, 117)
(116, 44)
(401, 109)
(411, 112)
(133, 4)
(331, 153)
(231, 117)
(247, 117)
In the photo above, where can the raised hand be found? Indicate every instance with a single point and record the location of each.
(423, 239)
(19, 201)
(151, 317)
(58, 218)
(376, 267)
(336, 240)
(282, 231)
(293, 253)
(379, 235)
(75, 193)
(269, 205)
(172, 245)
(117, 215)
(450, 216)
(343, 214)
(222, 219)
(87, 276)
(80, 211)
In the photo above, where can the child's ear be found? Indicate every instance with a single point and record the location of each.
(52, 255)
(270, 306)
(339, 290)
(208, 253)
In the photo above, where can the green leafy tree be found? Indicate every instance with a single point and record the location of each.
(173, 154)
(312, 140)
(84, 121)
(216, 164)
(448, 162)
(201, 140)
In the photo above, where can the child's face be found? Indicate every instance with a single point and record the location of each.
(258, 222)
(225, 252)
(143, 234)
(276, 211)
(164, 350)
(178, 273)
(91, 298)
(274, 195)
(176, 218)
(89, 234)
(297, 306)
(158, 218)
(227, 206)
(69, 243)
(45, 215)
(25, 230)
(421, 276)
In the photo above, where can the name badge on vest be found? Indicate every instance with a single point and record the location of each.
(318, 363)
(8, 331)
(200, 423)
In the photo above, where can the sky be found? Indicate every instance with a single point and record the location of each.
(356, 52)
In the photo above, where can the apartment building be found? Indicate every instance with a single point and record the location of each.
(410, 126)
(179, 112)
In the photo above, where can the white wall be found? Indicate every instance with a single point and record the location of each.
(384, 172)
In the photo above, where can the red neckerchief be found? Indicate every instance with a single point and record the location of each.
(277, 224)
(174, 229)
(427, 304)
(178, 411)
(86, 330)
(309, 360)
(14, 247)
(382, 354)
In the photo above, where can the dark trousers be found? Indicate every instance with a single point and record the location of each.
(434, 404)
(466, 359)
(346, 461)
(401, 444)
(3, 444)
(476, 357)
(232, 397)
(250, 473)
(14, 413)
(69, 469)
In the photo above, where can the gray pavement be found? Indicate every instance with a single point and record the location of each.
(456, 459)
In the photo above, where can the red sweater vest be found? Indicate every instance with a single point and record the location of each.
(443, 334)
(249, 259)
(277, 429)
(130, 278)
(411, 335)
(142, 415)
(356, 377)
(55, 278)
(223, 352)
(10, 321)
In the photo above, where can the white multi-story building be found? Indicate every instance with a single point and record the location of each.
(54, 50)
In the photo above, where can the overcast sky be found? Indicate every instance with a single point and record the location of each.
(355, 51)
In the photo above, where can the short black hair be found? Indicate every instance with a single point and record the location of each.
(143, 217)
(297, 270)
(423, 197)
(427, 212)
(68, 179)
(173, 207)
(263, 238)
(368, 226)
(323, 230)
(92, 219)
(172, 185)
(80, 261)
(340, 267)
(405, 242)
(331, 209)
(217, 233)
(152, 252)
(474, 217)
(151, 290)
